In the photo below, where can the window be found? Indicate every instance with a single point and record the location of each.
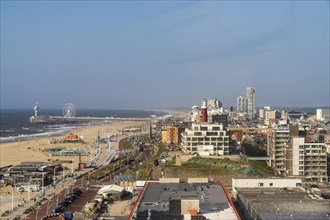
(260, 184)
(298, 184)
(215, 128)
(270, 184)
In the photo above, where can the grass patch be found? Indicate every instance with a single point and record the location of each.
(250, 148)
(262, 169)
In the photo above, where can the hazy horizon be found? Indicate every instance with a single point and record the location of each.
(147, 55)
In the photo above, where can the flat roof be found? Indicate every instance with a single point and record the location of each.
(123, 178)
(157, 196)
(280, 203)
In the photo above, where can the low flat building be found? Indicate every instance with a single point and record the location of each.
(267, 203)
(169, 201)
(125, 181)
(264, 183)
(112, 190)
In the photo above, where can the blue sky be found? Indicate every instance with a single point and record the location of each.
(152, 54)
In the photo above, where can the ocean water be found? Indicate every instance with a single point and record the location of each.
(14, 124)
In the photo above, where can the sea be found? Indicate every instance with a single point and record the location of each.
(15, 126)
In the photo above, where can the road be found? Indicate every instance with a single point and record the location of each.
(88, 193)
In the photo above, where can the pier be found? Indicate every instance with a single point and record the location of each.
(69, 117)
(78, 120)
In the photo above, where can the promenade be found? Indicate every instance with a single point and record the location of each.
(53, 195)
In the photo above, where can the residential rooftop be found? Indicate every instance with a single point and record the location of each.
(281, 203)
(210, 198)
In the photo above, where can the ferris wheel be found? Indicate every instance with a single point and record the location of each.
(68, 110)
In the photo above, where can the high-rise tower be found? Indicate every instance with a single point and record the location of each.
(250, 101)
(241, 104)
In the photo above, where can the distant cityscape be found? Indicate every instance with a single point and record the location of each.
(210, 162)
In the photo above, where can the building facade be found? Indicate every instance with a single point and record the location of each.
(172, 135)
(250, 97)
(323, 114)
(278, 148)
(206, 139)
(214, 103)
(241, 104)
(309, 160)
(277, 144)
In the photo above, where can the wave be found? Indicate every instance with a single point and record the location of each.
(25, 137)
(8, 131)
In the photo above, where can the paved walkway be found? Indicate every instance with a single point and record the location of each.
(21, 202)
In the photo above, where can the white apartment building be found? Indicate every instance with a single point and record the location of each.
(262, 113)
(206, 139)
(309, 160)
(214, 103)
(250, 101)
(277, 144)
(323, 114)
(269, 115)
(241, 104)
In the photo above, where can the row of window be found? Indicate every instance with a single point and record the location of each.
(207, 143)
(271, 184)
(214, 128)
(195, 149)
(208, 139)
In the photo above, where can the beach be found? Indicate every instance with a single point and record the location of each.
(35, 150)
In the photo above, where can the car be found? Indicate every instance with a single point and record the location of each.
(58, 209)
(22, 189)
(72, 196)
(64, 204)
(77, 191)
(68, 200)
(28, 210)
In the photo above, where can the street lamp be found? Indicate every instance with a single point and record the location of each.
(48, 205)
(63, 172)
(12, 194)
(29, 190)
(54, 175)
(42, 183)
(72, 163)
(37, 213)
(12, 198)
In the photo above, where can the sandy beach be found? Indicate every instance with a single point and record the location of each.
(35, 150)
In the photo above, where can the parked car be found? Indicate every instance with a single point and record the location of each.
(22, 189)
(58, 209)
(64, 204)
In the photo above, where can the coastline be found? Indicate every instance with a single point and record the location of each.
(33, 147)
(13, 153)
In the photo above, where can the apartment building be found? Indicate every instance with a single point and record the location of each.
(277, 143)
(294, 155)
(323, 114)
(277, 147)
(309, 160)
(172, 135)
(206, 139)
(250, 104)
(241, 104)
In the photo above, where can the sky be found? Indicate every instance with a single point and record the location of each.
(158, 54)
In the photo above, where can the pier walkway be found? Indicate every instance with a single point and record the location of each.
(73, 120)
